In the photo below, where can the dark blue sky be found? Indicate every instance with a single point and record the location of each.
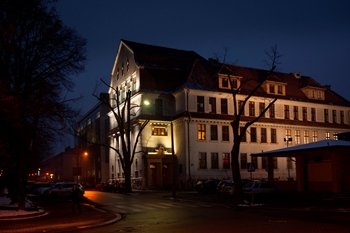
(312, 36)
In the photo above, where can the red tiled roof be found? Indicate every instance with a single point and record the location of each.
(166, 69)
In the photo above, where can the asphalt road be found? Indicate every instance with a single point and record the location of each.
(159, 213)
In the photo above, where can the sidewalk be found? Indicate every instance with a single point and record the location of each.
(57, 214)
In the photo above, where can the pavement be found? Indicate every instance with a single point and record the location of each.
(54, 216)
(57, 215)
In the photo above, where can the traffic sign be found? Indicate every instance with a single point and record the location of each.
(251, 167)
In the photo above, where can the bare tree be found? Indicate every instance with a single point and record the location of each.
(38, 54)
(128, 122)
(238, 131)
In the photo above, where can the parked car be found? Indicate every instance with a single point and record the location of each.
(261, 187)
(208, 186)
(35, 188)
(63, 190)
(111, 185)
(41, 191)
(226, 188)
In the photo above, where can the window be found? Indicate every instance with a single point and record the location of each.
(334, 116)
(288, 136)
(312, 94)
(280, 89)
(286, 111)
(313, 114)
(158, 108)
(134, 84)
(225, 133)
(255, 161)
(212, 104)
(200, 103)
(272, 111)
(296, 112)
(234, 83)
(253, 134)
(273, 136)
(328, 135)
(335, 136)
(297, 137)
(306, 136)
(251, 108)
(201, 132)
(326, 116)
(261, 108)
(214, 161)
(241, 106)
(314, 136)
(159, 132)
(272, 88)
(224, 82)
(263, 135)
(202, 160)
(341, 117)
(224, 109)
(226, 160)
(244, 138)
(304, 114)
(243, 160)
(213, 132)
(319, 95)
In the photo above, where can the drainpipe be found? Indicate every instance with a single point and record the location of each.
(188, 140)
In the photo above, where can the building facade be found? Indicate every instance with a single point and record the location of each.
(189, 136)
(91, 157)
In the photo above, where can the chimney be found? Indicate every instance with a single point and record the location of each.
(297, 75)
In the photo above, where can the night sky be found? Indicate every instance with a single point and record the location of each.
(312, 36)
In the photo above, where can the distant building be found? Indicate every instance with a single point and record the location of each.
(57, 168)
(90, 154)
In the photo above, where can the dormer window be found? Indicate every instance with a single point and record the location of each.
(275, 88)
(225, 83)
(280, 89)
(314, 92)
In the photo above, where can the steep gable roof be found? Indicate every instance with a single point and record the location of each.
(161, 68)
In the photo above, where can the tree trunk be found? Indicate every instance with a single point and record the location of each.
(236, 174)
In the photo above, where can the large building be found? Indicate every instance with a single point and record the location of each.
(189, 135)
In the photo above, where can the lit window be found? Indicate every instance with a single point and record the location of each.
(306, 137)
(159, 132)
(314, 136)
(201, 132)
